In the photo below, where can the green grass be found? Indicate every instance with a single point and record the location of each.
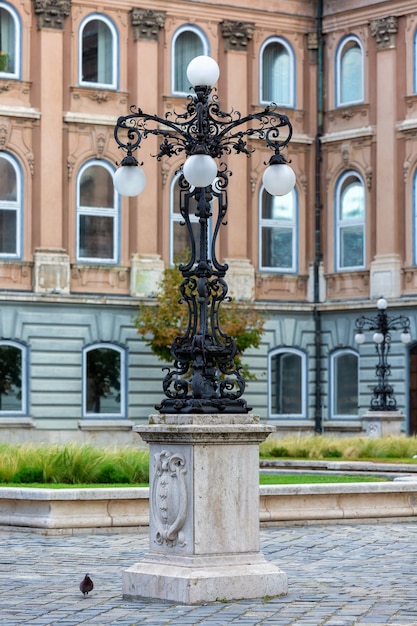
(264, 479)
(306, 479)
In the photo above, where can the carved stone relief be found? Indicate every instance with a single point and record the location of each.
(237, 35)
(169, 498)
(51, 13)
(384, 30)
(146, 23)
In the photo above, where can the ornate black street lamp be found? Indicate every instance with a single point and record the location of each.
(383, 394)
(204, 378)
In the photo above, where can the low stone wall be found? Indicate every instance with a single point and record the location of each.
(69, 510)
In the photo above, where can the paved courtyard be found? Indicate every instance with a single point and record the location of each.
(339, 575)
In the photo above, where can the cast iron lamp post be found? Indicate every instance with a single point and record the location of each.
(382, 324)
(204, 378)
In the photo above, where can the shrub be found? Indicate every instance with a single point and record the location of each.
(332, 453)
(279, 451)
(112, 474)
(29, 475)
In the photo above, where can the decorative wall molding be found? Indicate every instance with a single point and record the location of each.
(237, 35)
(384, 30)
(146, 23)
(51, 13)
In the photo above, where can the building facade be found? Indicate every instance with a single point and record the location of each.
(76, 259)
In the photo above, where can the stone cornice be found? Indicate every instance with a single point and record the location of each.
(343, 135)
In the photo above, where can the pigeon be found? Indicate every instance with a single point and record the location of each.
(86, 585)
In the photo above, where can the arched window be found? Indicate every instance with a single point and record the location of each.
(278, 232)
(104, 381)
(10, 207)
(98, 52)
(277, 73)
(350, 222)
(344, 383)
(349, 72)
(287, 383)
(10, 42)
(188, 42)
(97, 214)
(13, 378)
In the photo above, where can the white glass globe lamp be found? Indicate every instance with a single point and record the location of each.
(278, 179)
(405, 337)
(378, 337)
(382, 304)
(129, 179)
(360, 338)
(200, 170)
(203, 71)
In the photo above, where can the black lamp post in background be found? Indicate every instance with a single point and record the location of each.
(204, 378)
(382, 324)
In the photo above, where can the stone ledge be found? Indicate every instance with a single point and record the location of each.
(66, 510)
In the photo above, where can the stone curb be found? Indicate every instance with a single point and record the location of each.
(123, 508)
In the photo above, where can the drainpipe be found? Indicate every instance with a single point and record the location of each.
(318, 416)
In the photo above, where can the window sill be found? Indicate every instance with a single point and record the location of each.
(89, 424)
(16, 422)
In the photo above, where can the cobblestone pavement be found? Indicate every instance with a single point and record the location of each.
(339, 575)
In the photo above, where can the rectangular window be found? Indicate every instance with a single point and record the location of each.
(8, 232)
(277, 248)
(96, 237)
(351, 246)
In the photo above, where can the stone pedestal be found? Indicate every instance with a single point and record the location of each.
(382, 423)
(204, 512)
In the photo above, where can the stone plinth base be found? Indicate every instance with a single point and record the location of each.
(204, 512)
(204, 583)
(382, 423)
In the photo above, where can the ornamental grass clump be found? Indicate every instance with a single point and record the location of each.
(72, 464)
(392, 447)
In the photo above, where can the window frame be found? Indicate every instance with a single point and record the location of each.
(414, 221)
(16, 74)
(114, 84)
(206, 51)
(123, 352)
(415, 62)
(339, 223)
(290, 104)
(24, 390)
(18, 206)
(98, 211)
(336, 354)
(304, 383)
(343, 47)
(271, 223)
